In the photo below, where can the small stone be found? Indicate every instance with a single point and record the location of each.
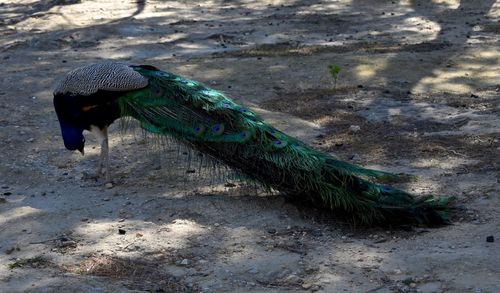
(354, 128)
(122, 231)
(294, 279)
(31, 139)
(216, 225)
(185, 262)
(490, 238)
(3, 200)
(108, 185)
(271, 231)
(253, 270)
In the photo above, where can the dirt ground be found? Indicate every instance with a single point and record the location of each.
(419, 78)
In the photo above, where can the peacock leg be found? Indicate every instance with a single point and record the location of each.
(102, 136)
(104, 159)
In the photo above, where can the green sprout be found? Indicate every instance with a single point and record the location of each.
(334, 70)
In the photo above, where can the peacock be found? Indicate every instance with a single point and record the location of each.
(207, 121)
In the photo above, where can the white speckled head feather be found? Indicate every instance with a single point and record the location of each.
(109, 76)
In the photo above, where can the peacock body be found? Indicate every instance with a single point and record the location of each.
(208, 121)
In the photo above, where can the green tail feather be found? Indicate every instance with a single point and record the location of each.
(208, 121)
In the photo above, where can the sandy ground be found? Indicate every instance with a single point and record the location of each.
(420, 79)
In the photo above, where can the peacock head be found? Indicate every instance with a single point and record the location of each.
(73, 137)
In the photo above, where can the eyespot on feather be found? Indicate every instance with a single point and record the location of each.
(279, 144)
(246, 136)
(199, 130)
(218, 129)
(158, 91)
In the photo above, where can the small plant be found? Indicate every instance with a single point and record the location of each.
(334, 70)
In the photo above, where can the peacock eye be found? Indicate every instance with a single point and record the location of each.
(218, 129)
(158, 92)
(280, 144)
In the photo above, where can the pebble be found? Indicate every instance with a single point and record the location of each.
(490, 238)
(185, 262)
(293, 279)
(122, 231)
(271, 231)
(3, 200)
(108, 185)
(354, 128)
(253, 270)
